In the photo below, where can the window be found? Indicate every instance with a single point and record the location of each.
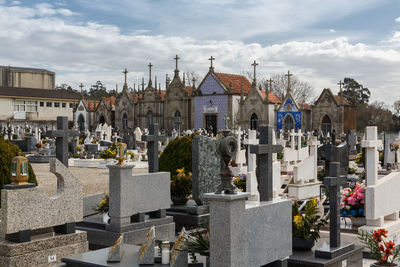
(71, 105)
(254, 122)
(41, 104)
(177, 120)
(64, 105)
(125, 121)
(28, 106)
(56, 104)
(49, 104)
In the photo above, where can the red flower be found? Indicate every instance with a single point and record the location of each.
(388, 252)
(390, 245)
(381, 247)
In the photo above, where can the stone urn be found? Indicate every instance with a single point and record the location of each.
(301, 244)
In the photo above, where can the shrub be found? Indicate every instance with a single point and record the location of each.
(177, 154)
(7, 152)
(181, 184)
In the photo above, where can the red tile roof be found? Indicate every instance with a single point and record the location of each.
(345, 101)
(271, 97)
(110, 101)
(189, 89)
(236, 81)
(91, 105)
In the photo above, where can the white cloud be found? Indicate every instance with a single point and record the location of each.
(397, 19)
(15, 3)
(87, 52)
(332, 30)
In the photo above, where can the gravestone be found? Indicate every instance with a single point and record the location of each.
(251, 181)
(152, 140)
(264, 169)
(339, 154)
(62, 134)
(389, 155)
(351, 140)
(206, 165)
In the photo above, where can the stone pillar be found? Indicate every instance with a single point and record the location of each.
(314, 153)
(118, 177)
(227, 229)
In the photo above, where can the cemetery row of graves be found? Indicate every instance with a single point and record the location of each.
(240, 198)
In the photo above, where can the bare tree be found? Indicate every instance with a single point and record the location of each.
(189, 77)
(396, 107)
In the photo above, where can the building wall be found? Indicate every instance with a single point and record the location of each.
(211, 86)
(213, 104)
(27, 79)
(350, 118)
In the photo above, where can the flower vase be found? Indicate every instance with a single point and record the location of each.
(301, 244)
(179, 200)
(106, 218)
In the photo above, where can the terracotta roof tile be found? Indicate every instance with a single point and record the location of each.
(110, 101)
(345, 101)
(38, 93)
(189, 89)
(271, 97)
(91, 105)
(237, 81)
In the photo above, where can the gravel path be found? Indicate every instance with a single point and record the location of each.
(94, 180)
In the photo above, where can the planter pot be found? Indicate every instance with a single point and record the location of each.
(358, 221)
(302, 244)
(380, 265)
(179, 200)
(106, 218)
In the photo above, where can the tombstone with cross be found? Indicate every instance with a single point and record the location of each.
(152, 140)
(334, 181)
(264, 170)
(62, 134)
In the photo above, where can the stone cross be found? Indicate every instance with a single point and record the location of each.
(334, 181)
(288, 79)
(371, 144)
(125, 72)
(176, 61)
(254, 65)
(270, 81)
(299, 135)
(292, 139)
(150, 65)
(264, 162)
(211, 59)
(61, 134)
(81, 86)
(251, 159)
(104, 136)
(226, 119)
(152, 146)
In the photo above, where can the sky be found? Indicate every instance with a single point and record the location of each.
(320, 42)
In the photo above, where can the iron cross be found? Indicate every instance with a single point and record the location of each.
(152, 144)
(288, 79)
(125, 72)
(62, 134)
(254, 74)
(333, 182)
(176, 61)
(264, 153)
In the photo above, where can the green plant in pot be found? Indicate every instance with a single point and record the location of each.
(306, 226)
(381, 250)
(181, 187)
(198, 242)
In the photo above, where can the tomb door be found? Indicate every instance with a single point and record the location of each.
(211, 123)
(102, 120)
(81, 123)
(288, 123)
(177, 120)
(124, 121)
(254, 122)
(326, 125)
(149, 119)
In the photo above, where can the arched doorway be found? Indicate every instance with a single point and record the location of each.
(102, 120)
(81, 123)
(149, 118)
(288, 123)
(124, 121)
(254, 122)
(177, 120)
(326, 125)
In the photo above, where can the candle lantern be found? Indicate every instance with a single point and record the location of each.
(121, 153)
(19, 170)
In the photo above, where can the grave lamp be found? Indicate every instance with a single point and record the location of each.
(121, 153)
(19, 170)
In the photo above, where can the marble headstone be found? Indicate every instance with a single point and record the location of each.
(206, 166)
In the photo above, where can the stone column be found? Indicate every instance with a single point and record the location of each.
(227, 229)
(118, 176)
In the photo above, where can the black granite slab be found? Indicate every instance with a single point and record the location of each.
(330, 253)
(13, 187)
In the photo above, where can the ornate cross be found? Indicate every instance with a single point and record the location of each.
(254, 74)
(211, 59)
(226, 119)
(152, 144)
(125, 72)
(62, 134)
(81, 86)
(264, 153)
(333, 182)
(288, 79)
(150, 65)
(176, 61)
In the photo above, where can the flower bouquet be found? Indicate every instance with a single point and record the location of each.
(352, 201)
(384, 252)
(240, 182)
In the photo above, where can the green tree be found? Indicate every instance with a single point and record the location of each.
(98, 90)
(354, 92)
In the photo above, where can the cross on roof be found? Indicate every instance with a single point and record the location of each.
(176, 62)
(152, 143)
(226, 119)
(340, 83)
(270, 81)
(334, 182)
(254, 73)
(211, 59)
(62, 134)
(125, 72)
(288, 79)
(193, 80)
(264, 153)
(81, 86)
(143, 83)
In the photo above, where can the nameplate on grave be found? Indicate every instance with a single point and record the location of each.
(146, 252)
(178, 257)
(116, 252)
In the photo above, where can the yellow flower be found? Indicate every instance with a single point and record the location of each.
(298, 220)
(315, 201)
(180, 170)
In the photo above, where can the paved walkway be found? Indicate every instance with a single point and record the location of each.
(94, 180)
